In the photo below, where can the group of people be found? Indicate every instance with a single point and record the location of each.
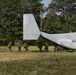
(25, 45)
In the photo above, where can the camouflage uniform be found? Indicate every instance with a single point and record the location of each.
(40, 46)
(10, 45)
(25, 45)
(19, 46)
(46, 46)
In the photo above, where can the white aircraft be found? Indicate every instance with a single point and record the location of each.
(32, 32)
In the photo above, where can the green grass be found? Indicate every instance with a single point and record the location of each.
(37, 63)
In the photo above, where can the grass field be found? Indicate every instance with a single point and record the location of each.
(36, 63)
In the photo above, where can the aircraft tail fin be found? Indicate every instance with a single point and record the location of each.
(30, 28)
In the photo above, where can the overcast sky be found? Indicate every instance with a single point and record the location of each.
(46, 2)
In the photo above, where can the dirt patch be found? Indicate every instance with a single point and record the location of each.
(18, 56)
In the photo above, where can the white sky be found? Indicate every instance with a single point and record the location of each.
(46, 2)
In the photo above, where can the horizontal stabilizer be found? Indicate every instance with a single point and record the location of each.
(30, 28)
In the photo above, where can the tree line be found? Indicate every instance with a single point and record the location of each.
(60, 18)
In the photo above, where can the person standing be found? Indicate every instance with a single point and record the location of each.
(40, 47)
(19, 46)
(10, 45)
(46, 46)
(25, 45)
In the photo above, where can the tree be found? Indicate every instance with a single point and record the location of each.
(51, 23)
(11, 17)
(67, 8)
